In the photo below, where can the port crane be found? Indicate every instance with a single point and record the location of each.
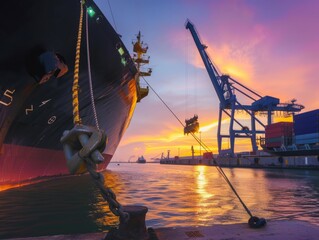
(225, 87)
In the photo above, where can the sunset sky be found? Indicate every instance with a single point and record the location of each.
(271, 46)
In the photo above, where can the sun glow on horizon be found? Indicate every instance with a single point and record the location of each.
(173, 139)
(258, 43)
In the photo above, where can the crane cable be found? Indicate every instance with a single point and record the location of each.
(206, 148)
(108, 1)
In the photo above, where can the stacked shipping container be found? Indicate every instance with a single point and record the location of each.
(278, 134)
(207, 155)
(304, 130)
(306, 127)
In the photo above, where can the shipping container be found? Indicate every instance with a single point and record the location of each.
(278, 134)
(311, 138)
(207, 155)
(274, 140)
(278, 142)
(280, 129)
(306, 123)
(273, 144)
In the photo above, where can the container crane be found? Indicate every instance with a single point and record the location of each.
(225, 87)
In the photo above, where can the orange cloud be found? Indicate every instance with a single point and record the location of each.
(230, 59)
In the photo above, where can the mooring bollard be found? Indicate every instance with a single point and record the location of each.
(134, 228)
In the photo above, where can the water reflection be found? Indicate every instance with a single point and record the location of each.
(294, 193)
(206, 198)
(7, 186)
(174, 195)
(197, 195)
(200, 173)
(216, 203)
(100, 211)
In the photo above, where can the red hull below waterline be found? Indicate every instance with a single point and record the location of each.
(20, 163)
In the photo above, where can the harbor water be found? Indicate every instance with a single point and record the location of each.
(175, 195)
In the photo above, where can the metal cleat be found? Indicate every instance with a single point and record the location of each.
(134, 228)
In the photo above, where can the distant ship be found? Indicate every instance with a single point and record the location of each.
(38, 48)
(141, 160)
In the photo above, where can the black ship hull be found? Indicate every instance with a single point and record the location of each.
(34, 111)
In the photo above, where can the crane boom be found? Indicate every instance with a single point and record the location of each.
(225, 87)
(220, 83)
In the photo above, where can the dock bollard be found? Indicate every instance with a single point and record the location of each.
(134, 228)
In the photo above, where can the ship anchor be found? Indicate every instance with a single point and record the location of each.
(83, 147)
(83, 143)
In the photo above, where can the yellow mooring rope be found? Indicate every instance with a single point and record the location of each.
(75, 88)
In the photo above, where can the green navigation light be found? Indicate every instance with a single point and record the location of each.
(123, 61)
(90, 11)
(121, 51)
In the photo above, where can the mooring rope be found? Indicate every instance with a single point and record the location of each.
(206, 148)
(115, 207)
(89, 71)
(106, 192)
(75, 88)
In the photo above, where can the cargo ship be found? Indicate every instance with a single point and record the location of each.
(39, 44)
(141, 159)
(297, 138)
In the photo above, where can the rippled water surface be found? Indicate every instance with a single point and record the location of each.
(174, 195)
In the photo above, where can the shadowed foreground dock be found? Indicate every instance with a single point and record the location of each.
(290, 229)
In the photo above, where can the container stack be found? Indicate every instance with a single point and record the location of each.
(278, 134)
(306, 127)
(207, 155)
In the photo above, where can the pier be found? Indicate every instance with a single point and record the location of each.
(288, 229)
(251, 161)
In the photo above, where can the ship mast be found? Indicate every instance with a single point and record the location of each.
(139, 58)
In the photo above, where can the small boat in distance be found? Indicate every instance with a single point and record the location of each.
(141, 159)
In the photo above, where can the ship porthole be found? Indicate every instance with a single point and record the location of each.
(51, 119)
(98, 20)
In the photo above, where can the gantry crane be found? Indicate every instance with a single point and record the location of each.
(225, 87)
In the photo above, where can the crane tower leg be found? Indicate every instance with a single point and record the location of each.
(253, 130)
(231, 130)
(219, 138)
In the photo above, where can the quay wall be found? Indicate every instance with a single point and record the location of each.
(302, 162)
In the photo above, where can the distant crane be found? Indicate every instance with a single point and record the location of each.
(225, 87)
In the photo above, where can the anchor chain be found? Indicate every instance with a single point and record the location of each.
(83, 145)
(107, 193)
